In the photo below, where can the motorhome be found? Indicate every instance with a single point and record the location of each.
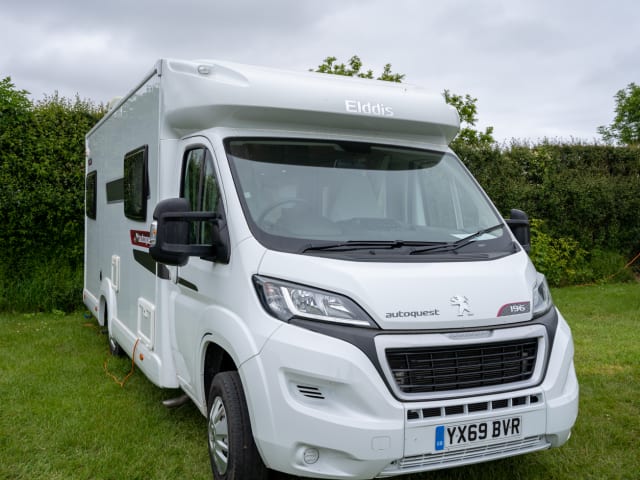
(305, 257)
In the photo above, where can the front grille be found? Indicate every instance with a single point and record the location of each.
(441, 369)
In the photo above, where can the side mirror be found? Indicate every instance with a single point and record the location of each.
(181, 233)
(169, 235)
(519, 225)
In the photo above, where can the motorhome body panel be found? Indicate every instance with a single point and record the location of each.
(118, 268)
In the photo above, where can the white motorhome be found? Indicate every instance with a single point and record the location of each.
(304, 256)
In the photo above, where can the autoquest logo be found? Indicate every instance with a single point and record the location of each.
(368, 108)
(414, 314)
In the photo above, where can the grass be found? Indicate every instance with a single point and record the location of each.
(62, 417)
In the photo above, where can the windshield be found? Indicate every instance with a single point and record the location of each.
(330, 198)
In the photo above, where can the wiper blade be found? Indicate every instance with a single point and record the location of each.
(450, 247)
(465, 240)
(352, 245)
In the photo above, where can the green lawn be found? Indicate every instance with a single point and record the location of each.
(62, 417)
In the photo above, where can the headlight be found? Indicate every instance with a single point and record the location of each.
(286, 300)
(542, 301)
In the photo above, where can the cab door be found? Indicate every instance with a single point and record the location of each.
(198, 284)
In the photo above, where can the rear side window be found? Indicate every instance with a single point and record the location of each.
(136, 184)
(91, 184)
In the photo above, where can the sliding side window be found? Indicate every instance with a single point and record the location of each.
(136, 184)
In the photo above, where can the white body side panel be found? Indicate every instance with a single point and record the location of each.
(119, 274)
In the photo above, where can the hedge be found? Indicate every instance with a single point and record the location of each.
(587, 198)
(588, 192)
(41, 198)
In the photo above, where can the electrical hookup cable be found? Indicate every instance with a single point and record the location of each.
(133, 367)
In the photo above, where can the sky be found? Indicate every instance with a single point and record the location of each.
(538, 68)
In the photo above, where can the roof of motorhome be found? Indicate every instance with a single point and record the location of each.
(201, 94)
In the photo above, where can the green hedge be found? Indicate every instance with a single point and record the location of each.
(588, 192)
(586, 196)
(41, 198)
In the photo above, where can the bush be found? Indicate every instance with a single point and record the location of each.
(565, 262)
(42, 198)
(585, 192)
(44, 285)
(560, 258)
(606, 267)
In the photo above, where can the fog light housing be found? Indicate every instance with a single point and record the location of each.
(311, 456)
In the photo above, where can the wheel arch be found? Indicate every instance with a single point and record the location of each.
(103, 312)
(216, 360)
(107, 306)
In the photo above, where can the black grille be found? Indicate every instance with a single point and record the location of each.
(439, 369)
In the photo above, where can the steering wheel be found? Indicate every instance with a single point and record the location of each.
(271, 208)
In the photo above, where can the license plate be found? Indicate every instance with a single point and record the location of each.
(464, 434)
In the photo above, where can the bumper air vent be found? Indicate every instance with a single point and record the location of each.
(310, 392)
(414, 414)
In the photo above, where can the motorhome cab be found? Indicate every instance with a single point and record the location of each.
(304, 256)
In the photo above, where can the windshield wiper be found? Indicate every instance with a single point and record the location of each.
(452, 246)
(352, 245)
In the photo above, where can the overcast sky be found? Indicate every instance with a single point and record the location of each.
(539, 68)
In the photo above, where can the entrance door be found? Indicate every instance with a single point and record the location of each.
(198, 283)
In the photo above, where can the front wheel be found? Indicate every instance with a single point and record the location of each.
(232, 449)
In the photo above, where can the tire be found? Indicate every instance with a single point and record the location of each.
(232, 449)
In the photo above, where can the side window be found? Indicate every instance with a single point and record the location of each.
(136, 184)
(200, 188)
(90, 197)
(191, 177)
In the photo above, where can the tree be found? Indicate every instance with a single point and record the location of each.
(468, 112)
(465, 105)
(353, 70)
(625, 128)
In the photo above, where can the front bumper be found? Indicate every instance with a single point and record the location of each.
(319, 408)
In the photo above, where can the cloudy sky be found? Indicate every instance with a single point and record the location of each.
(539, 68)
